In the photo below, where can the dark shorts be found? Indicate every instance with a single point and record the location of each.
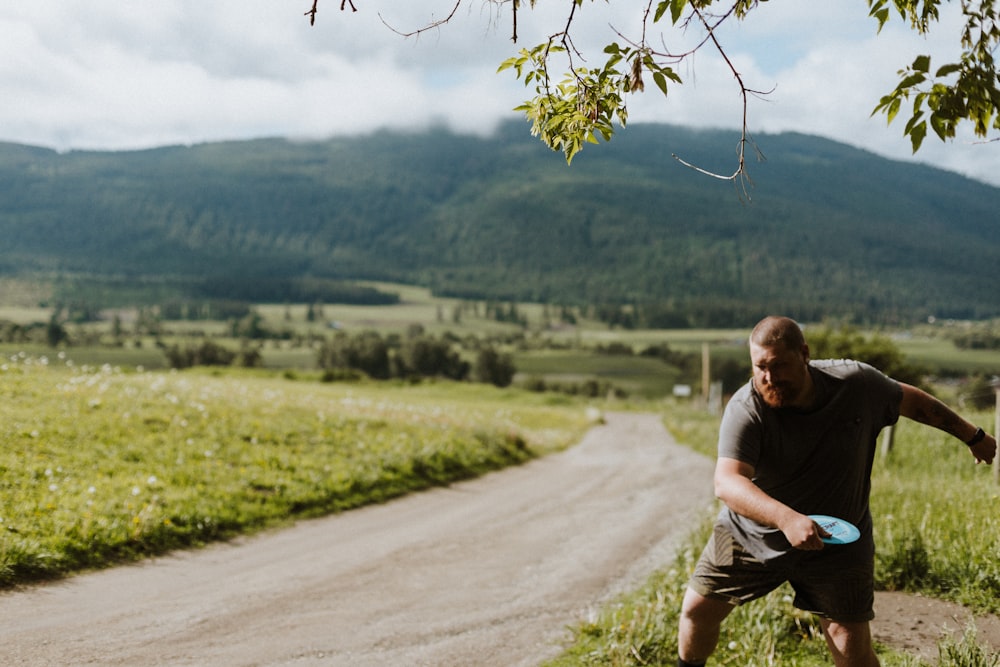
(838, 585)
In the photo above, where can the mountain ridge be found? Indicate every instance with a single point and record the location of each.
(830, 230)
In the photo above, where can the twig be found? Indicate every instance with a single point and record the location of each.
(315, 8)
(741, 172)
(514, 5)
(429, 26)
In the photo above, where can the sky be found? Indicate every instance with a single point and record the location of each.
(133, 74)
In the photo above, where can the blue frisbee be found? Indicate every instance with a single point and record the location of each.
(841, 532)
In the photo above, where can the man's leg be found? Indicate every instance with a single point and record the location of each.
(698, 630)
(850, 643)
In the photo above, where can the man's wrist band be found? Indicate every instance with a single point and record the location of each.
(975, 439)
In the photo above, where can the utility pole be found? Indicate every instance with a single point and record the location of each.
(706, 374)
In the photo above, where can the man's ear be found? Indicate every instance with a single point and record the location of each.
(805, 352)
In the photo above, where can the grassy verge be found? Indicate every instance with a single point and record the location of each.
(936, 521)
(99, 466)
(937, 533)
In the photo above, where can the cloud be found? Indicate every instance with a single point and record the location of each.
(78, 74)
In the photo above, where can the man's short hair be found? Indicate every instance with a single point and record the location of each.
(773, 331)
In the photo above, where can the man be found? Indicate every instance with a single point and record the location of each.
(800, 439)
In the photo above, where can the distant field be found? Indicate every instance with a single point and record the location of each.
(24, 314)
(639, 376)
(938, 353)
(418, 307)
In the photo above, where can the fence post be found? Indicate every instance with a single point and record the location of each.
(888, 436)
(996, 428)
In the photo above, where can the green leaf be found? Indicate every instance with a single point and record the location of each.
(660, 81)
(912, 123)
(661, 9)
(917, 134)
(882, 16)
(940, 127)
(676, 9)
(911, 81)
(507, 64)
(945, 70)
(892, 109)
(922, 64)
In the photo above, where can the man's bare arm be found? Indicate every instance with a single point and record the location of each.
(734, 486)
(921, 407)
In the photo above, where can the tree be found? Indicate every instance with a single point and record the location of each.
(585, 101)
(55, 332)
(206, 354)
(877, 350)
(367, 352)
(430, 357)
(494, 367)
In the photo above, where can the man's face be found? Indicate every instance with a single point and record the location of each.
(781, 375)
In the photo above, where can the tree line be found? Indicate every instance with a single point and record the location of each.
(415, 355)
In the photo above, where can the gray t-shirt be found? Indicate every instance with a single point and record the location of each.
(816, 462)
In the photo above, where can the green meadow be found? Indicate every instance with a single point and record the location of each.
(100, 465)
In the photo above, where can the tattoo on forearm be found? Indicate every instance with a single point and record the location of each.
(937, 414)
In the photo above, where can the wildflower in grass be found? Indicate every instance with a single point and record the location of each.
(136, 490)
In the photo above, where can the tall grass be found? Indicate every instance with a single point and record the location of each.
(99, 465)
(936, 518)
(937, 531)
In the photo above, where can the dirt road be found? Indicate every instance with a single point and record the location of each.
(487, 572)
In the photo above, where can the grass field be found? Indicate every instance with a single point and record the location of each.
(639, 376)
(940, 353)
(100, 465)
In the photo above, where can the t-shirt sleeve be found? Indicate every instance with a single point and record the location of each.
(740, 433)
(884, 391)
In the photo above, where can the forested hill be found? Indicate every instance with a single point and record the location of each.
(830, 230)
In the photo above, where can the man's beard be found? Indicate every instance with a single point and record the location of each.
(776, 396)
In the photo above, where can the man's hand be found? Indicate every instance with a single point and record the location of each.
(803, 533)
(734, 486)
(985, 449)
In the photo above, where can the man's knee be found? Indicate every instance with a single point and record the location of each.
(698, 631)
(850, 643)
(700, 609)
